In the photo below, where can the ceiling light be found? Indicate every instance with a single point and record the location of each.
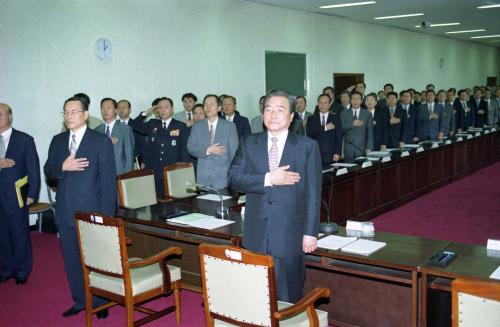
(348, 4)
(488, 6)
(399, 16)
(466, 31)
(443, 24)
(484, 36)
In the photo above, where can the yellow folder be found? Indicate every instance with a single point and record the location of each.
(20, 183)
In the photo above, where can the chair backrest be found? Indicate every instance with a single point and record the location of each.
(102, 243)
(136, 189)
(238, 285)
(475, 303)
(176, 176)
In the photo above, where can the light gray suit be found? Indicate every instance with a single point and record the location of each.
(256, 125)
(447, 123)
(123, 146)
(212, 169)
(182, 115)
(492, 111)
(356, 139)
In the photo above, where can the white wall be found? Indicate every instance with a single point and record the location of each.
(169, 47)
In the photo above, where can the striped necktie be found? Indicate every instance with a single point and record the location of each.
(72, 146)
(2, 148)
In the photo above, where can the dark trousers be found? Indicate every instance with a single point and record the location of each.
(289, 271)
(16, 259)
(72, 263)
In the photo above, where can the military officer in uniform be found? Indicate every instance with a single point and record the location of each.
(165, 140)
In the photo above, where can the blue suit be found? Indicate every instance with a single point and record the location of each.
(162, 147)
(279, 216)
(429, 127)
(15, 242)
(412, 123)
(93, 189)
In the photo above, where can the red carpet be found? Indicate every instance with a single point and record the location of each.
(466, 211)
(43, 299)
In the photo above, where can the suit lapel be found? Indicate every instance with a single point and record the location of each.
(84, 144)
(288, 152)
(262, 154)
(12, 144)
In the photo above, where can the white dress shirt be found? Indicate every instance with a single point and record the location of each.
(166, 122)
(78, 136)
(281, 147)
(230, 118)
(125, 121)
(355, 113)
(6, 137)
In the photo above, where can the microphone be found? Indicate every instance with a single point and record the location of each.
(222, 212)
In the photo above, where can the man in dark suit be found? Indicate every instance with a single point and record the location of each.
(464, 116)
(18, 158)
(430, 118)
(326, 129)
(412, 118)
(381, 118)
(82, 162)
(230, 114)
(397, 121)
(280, 172)
(480, 108)
(166, 140)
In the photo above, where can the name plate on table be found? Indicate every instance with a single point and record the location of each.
(386, 159)
(420, 149)
(469, 136)
(434, 145)
(459, 139)
(493, 129)
(342, 171)
(405, 154)
(493, 244)
(477, 134)
(487, 131)
(447, 142)
(366, 164)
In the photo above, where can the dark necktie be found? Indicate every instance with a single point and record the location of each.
(164, 125)
(392, 112)
(323, 120)
(108, 134)
(189, 116)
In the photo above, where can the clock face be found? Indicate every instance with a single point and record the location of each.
(103, 48)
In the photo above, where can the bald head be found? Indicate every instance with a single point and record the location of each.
(5, 117)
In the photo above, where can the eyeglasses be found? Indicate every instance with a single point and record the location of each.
(71, 113)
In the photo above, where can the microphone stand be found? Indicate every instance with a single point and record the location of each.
(328, 227)
(222, 212)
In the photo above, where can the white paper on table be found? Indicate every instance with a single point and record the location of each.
(242, 199)
(366, 164)
(213, 197)
(334, 242)
(496, 273)
(405, 154)
(363, 247)
(211, 223)
(342, 164)
(412, 146)
(379, 153)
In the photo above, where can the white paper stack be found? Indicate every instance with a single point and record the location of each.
(333, 242)
(213, 197)
(363, 247)
(200, 220)
(342, 164)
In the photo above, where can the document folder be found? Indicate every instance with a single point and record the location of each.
(21, 190)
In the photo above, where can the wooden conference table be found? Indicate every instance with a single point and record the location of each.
(378, 290)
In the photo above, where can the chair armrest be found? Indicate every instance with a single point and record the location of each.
(156, 258)
(163, 200)
(306, 303)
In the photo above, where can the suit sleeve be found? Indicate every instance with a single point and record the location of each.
(347, 122)
(107, 177)
(313, 197)
(33, 170)
(53, 165)
(233, 141)
(369, 132)
(139, 125)
(312, 130)
(246, 130)
(338, 134)
(384, 126)
(452, 122)
(403, 126)
(128, 144)
(239, 176)
(195, 146)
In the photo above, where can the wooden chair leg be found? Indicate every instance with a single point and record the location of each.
(40, 221)
(88, 308)
(177, 300)
(129, 308)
